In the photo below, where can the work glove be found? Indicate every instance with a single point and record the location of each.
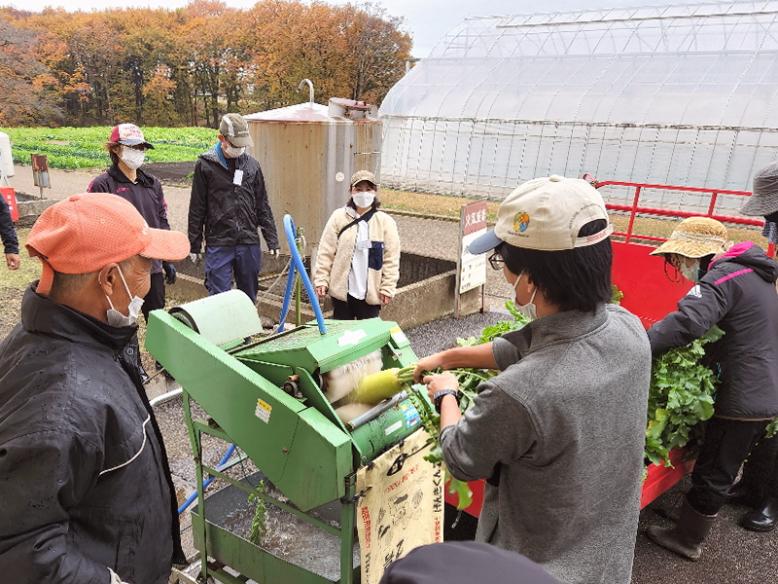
(274, 252)
(194, 258)
(170, 272)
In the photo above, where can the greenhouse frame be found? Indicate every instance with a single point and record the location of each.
(682, 95)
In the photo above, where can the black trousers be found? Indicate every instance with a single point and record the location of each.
(760, 475)
(156, 297)
(353, 309)
(727, 444)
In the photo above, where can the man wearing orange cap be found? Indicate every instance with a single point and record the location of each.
(87, 495)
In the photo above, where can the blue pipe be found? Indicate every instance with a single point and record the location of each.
(298, 266)
(207, 482)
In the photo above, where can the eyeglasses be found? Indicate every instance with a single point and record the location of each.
(496, 261)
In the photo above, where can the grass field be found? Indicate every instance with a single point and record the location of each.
(72, 148)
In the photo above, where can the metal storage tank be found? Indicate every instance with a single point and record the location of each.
(308, 153)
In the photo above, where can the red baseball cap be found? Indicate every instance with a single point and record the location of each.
(129, 135)
(86, 232)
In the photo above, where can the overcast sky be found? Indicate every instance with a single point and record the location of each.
(426, 20)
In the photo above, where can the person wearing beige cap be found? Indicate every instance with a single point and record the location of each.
(227, 209)
(732, 287)
(90, 498)
(558, 434)
(358, 261)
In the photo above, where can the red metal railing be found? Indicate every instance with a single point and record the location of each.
(635, 208)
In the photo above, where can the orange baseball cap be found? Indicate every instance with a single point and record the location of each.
(86, 232)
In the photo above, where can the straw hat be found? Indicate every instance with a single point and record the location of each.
(695, 237)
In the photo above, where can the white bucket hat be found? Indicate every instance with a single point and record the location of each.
(546, 214)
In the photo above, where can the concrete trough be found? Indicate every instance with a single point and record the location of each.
(425, 291)
(30, 207)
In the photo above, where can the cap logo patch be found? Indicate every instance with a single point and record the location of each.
(520, 222)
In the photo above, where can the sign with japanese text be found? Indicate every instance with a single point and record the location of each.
(472, 268)
(401, 506)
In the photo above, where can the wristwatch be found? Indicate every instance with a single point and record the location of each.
(437, 397)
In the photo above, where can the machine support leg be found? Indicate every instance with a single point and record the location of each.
(347, 521)
(195, 440)
(298, 283)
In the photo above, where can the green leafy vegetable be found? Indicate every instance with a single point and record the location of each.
(260, 512)
(616, 294)
(681, 396)
(772, 428)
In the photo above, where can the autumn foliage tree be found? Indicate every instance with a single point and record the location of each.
(190, 65)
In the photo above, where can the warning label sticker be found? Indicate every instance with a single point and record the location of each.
(263, 410)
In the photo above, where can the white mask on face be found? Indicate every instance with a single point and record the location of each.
(363, 199)
(116, 318)
(690, 272)
(529, 310)
(132, 158)
(231, 151)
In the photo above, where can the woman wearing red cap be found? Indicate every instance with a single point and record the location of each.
(127, 149)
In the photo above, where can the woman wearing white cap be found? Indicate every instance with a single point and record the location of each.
(358, 262)
(734, 289)
(559, 433)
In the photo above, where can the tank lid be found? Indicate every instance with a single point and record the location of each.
(301, 112)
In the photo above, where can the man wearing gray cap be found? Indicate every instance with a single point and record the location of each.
(227, 207)
(559, 433)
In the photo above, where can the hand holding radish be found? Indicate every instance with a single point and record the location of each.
(430, 363)
(439, 382)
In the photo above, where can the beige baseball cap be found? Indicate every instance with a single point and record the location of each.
(361, 175)
(546, 214)
(236, 129)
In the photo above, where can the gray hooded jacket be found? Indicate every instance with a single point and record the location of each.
(559, 435)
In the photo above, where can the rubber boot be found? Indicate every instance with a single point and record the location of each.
(686, 537)
(763, 518)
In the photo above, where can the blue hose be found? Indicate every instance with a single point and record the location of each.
(206, 483)
(298, 266)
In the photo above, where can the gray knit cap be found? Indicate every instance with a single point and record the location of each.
(764, 200)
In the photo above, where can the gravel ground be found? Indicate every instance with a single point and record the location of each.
(731, 555)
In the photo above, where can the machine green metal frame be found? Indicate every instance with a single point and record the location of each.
(297, 441)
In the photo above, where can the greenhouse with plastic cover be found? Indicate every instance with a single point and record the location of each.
(680, 95)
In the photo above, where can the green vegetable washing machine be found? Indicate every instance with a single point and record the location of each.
(272, 399)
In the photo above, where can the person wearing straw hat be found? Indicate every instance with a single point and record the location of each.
(559, 433)
(87, 495)
(759, 486)
(734, 289)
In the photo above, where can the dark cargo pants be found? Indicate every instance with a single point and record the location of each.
(727, 444)
(241, 261)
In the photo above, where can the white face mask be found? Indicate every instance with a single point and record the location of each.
(132, 158)
(231, 151)
(116, 318)
(690, 272)
(363, 199)
(529, 310)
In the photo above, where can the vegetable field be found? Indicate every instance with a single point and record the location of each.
(72, 148)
